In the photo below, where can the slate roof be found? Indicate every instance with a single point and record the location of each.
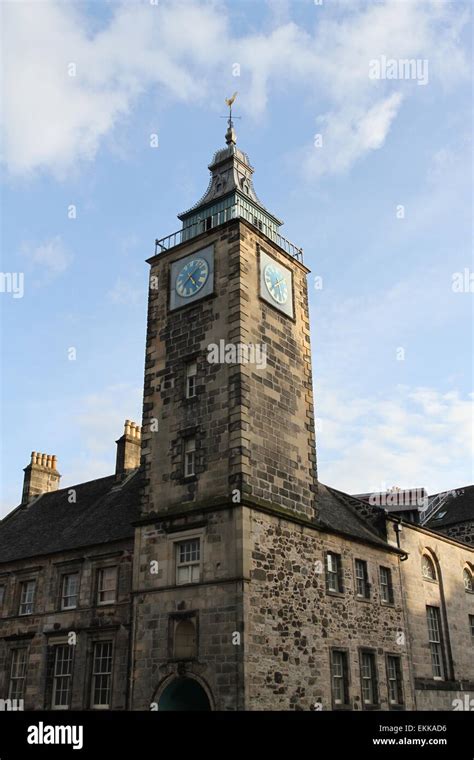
(103, 512)
(459, 508)
(338, 512)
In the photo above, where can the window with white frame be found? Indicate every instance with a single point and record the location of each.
(101, 688)
(340, 678)
(107, 585)
(386, 586)
(189, 457)
(362, 578)
(334, 572)
(27, 597)
(19, 664)
(188, 561)
(69, 591)
(191, 379)
(435, 641)
(394, 680)
(62, 676)
(369, 679)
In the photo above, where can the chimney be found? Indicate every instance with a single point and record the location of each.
(128, 449)
(41, 476)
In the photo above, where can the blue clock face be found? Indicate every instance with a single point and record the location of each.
(276, 283)
(192, 277)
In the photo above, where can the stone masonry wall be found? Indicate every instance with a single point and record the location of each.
(455, 604)
(460, 532)
(277, 413)
(254, 427)
(214, 605)
(291, 621)
(173, 338)
(49, 625)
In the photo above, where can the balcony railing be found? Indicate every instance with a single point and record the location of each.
(233, 212)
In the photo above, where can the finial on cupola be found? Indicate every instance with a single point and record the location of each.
(230, 136)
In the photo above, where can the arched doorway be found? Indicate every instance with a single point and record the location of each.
(184, 694)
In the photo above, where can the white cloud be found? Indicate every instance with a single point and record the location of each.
(50, 258)
(359, 336)
(123, 293)
(54, 121)
(419, 437)
(350, 133)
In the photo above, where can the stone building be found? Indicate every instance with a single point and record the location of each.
(65, 586)
(233, 579)
(437, 577)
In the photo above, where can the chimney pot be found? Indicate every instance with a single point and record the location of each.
(128, 450)
(41, 476)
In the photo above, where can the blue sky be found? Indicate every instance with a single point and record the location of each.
(391, 339)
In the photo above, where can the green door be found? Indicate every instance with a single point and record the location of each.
(184, 694)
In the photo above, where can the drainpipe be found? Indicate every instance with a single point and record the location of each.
(133, 632)
(398, 527)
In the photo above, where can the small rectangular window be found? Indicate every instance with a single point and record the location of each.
(69, 591)
(18, 669)
(101, 674)
(2, 595)
(435, 641)
(27, 597)
(471, 626)
(340, 678)
(191, 377)
(369, 679)
(189, 457)
(386, 586)
(334, 572)
(62, 679)
(107, 585)
(188, 561)
(362, 579)
(394, 680)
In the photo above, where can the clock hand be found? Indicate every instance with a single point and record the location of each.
(278, 285)
(190, 276)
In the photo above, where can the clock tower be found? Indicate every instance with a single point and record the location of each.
(228, 443)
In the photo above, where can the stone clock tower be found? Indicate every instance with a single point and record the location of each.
(228, 446)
